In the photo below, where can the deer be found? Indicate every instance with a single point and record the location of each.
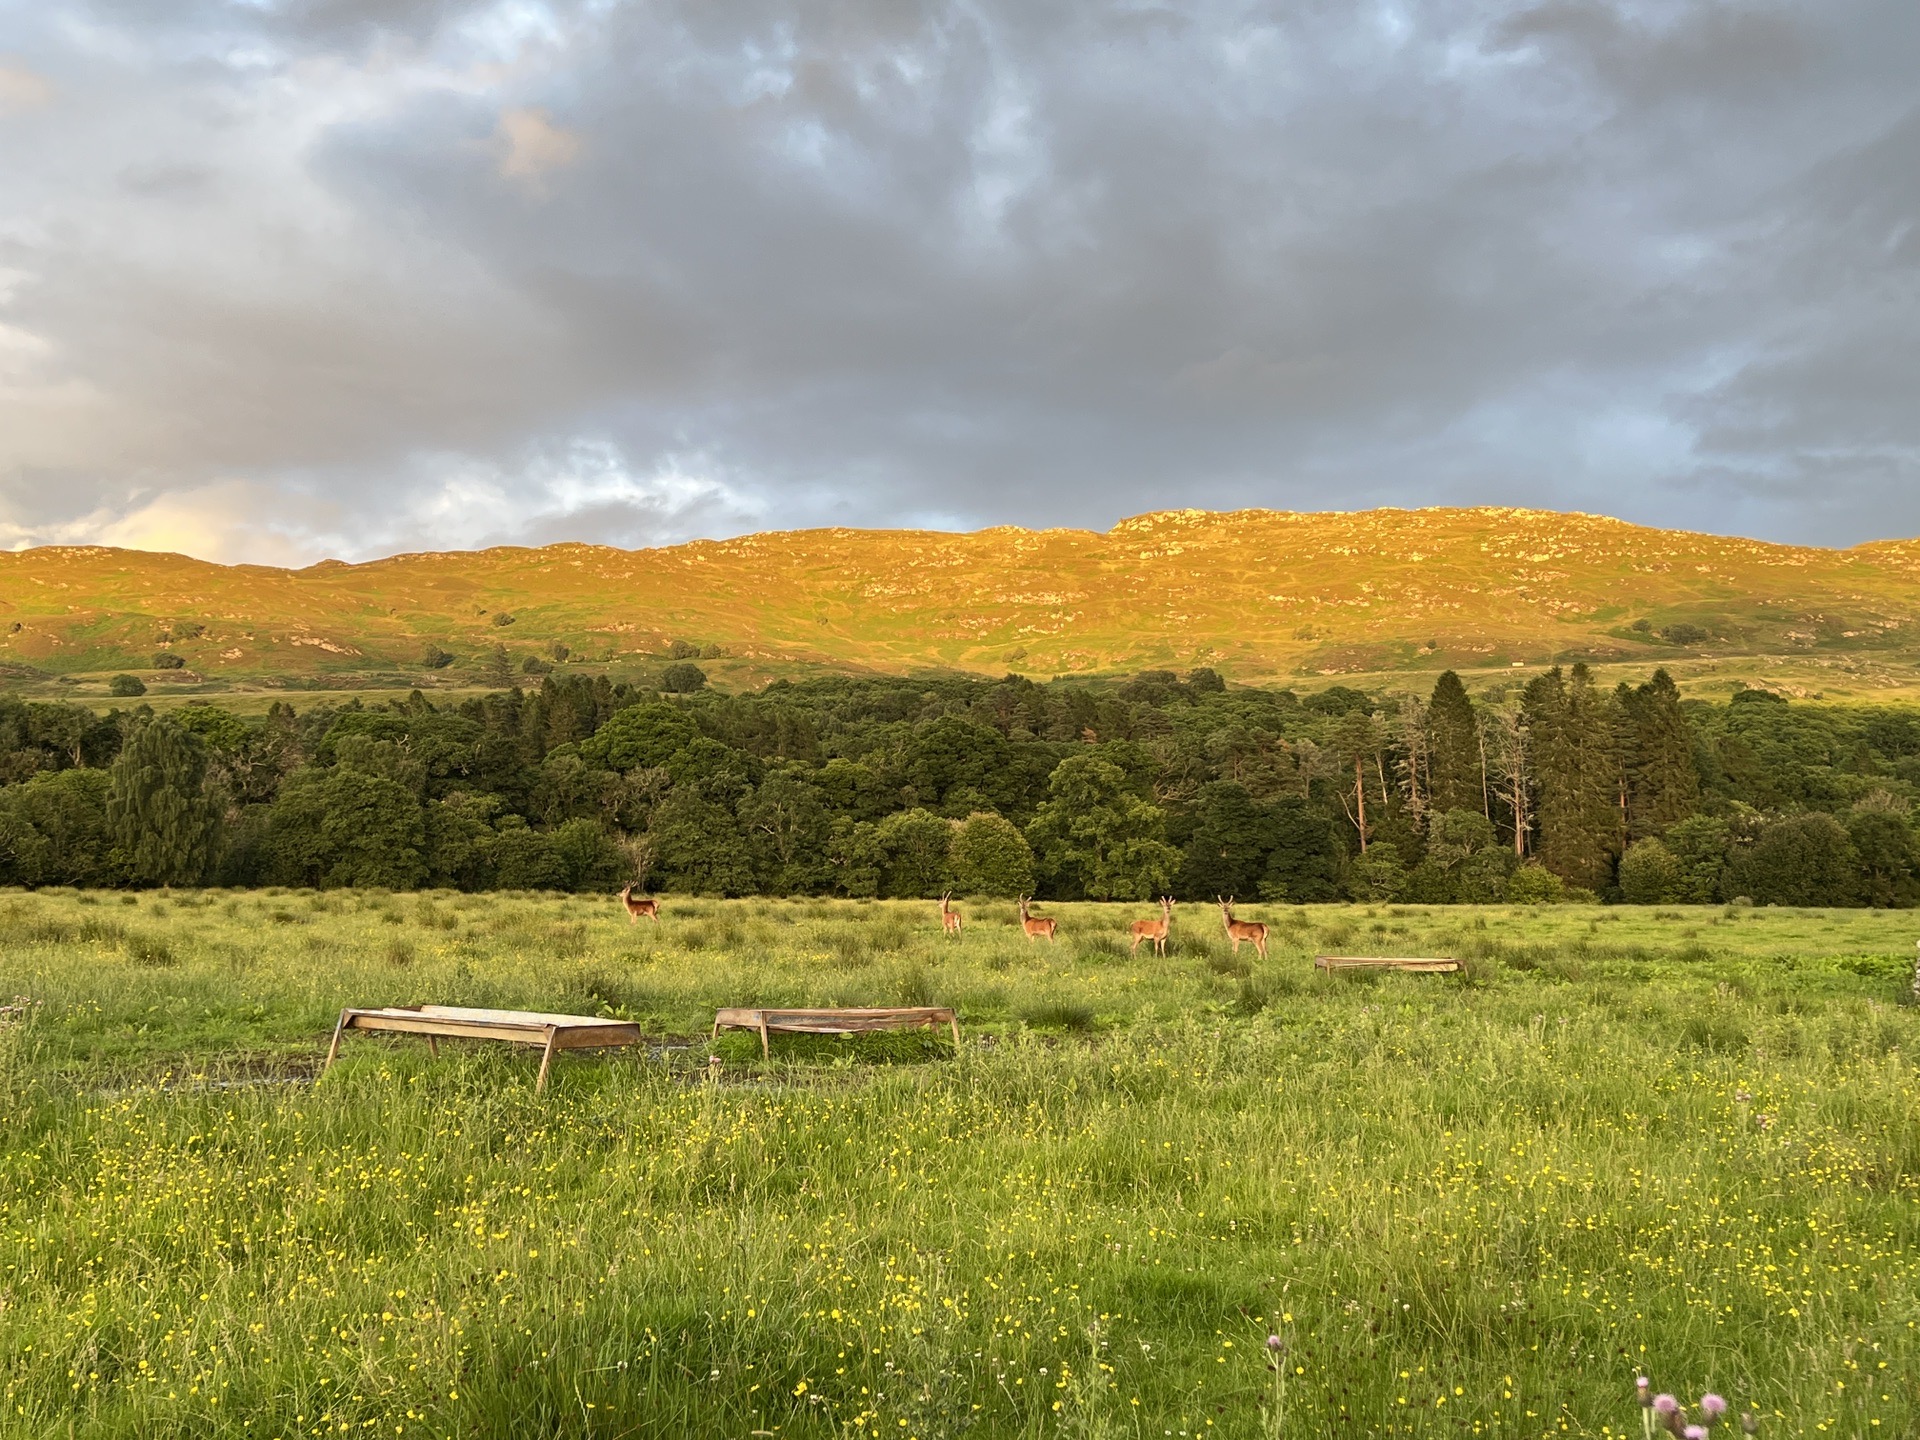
(1238, 930)
(638, 905)
(1154, 930)
(1036, 926)
(949, 917)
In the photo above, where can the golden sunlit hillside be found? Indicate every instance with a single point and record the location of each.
(1263, 596)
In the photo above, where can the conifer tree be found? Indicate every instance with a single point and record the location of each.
(162, 818)
(1662, 784)
(1577, 764)
(1458, 782)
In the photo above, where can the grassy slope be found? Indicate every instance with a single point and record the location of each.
(1681, 1141)
(1257, 594)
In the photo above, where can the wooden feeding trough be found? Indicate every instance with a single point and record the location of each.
(835, 1022)
(1418, 964)
(517, 1027)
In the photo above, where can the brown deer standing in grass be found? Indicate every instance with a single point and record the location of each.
(1154, 930)
(949, 917)
(1238, 930)
(638, 905)
(1036, 926)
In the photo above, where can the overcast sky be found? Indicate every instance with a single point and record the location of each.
(282, 279)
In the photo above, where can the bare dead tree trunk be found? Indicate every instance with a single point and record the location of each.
(1360, 797)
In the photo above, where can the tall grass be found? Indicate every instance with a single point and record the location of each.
(1476, 1206)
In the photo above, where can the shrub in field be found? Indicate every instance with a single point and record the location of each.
(1649, 874)
(1534, 884)
(126, 686)
(1055, 1013)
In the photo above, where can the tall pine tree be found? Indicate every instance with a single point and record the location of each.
(163, 820)
(1662, 785)
(1577, 769)
(1455, 763)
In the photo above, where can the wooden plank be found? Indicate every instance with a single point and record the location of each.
(824, 1021)
(508, 1017)
(466, 1029)
(1418, 964)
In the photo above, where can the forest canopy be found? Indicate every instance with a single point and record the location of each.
(1552, 788)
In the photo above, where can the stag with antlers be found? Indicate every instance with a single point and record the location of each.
(1155, 930)
(1034, 926)
(1238, 930)
(638, 905)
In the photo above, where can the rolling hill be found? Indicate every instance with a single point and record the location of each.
(1263, 596)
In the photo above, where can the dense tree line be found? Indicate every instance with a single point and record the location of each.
(1531, 791)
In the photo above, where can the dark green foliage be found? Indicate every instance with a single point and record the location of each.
(842, 786)
(989, 856)
(434, 658)
(1232, 841)
(1662, 784)
(167, 660)
(1465, 862)
(54, 831)
(1576, 761)
(1380, 874)
(348, 826)
(683, 678)
(1305, 863)
(1888, 859)
(1699, 846)
(1337, 700)
(911, 849)
(1097, 837)
(162, 820)
(699, 846)
(1801, 860)
(1454, 765)
(1649, 874)
(126, 686)
(788, 824)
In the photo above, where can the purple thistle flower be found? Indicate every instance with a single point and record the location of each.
(1713, 1407)
(1695, 1432)
(1644, 1388)
(1665, 1405)
(1274, 1342)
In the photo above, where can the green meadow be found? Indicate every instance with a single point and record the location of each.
(1680, 1142)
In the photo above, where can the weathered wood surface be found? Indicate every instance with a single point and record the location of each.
(766, 1020)
(518, 1027)
(1423, 964)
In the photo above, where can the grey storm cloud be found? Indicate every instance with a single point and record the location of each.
(280, 280)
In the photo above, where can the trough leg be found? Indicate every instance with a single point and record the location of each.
(433, 1047)
(766, 1050)
(546, 1059)
(334, 1048)
(954, 1021)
